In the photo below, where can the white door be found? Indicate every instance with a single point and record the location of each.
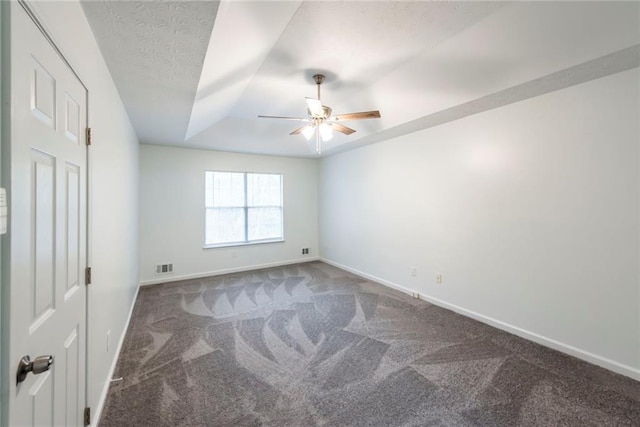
(47, 230)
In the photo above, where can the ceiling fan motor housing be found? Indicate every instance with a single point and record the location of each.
(326, 113)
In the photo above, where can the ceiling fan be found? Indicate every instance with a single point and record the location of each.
(321, 122)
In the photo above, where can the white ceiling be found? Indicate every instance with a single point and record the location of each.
(197, 74)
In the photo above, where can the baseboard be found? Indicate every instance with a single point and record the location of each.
(369, 277)
(166, 279)
(603, 362)
(95, 416)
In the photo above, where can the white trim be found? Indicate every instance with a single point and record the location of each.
(95, 414)
(604, 362)
(167, 279)
(369, 277)
(247, 243)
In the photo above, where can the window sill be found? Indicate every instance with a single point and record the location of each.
(230, 245)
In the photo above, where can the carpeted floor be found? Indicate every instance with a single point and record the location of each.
(310, 345)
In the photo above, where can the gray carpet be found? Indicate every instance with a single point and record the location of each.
(310, 345)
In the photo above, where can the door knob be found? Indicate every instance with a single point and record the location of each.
(38, 366)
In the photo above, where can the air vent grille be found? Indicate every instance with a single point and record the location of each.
(164, 268)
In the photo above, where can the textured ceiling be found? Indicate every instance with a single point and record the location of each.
(155, 52)
(197, 74)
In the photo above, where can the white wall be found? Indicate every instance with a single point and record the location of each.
(530, 212)
(113, 202)
(172, 212)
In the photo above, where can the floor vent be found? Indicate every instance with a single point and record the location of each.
(164, 268)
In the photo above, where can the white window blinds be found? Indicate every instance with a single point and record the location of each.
(242, 207)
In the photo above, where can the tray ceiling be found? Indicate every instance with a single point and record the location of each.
(197, 74)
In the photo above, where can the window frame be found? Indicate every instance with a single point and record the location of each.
(245, 209)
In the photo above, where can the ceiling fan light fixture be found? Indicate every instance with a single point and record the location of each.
(307, 131)
(320, 116)
(326, 133)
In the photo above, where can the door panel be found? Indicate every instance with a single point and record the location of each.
(72, 226)
(43, 93)
(41, 401)
(42, 235)
(72, 119)
(47, 229)
(71, 361)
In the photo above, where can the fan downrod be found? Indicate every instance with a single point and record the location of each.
(318, 78)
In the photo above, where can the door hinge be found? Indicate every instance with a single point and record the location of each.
(87, 276)
(87, 416)
(88, 136)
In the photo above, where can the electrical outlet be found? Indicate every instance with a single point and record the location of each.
(438, 278)
(305, 251)
(413, 272)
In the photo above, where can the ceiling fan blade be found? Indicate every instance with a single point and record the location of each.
(315, 107)
(357, 116)
(300, 119)
(299, 130)
(341, 128)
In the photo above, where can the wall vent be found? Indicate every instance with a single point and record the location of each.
(164, 268)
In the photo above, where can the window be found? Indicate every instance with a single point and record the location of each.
(242, 208)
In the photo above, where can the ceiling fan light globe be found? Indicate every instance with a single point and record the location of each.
(326, 133)
(308, 132)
